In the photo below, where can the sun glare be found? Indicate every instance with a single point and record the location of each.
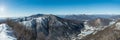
(2, 9)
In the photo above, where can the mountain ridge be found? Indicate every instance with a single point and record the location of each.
(51, 26)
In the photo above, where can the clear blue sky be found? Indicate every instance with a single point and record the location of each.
(11, 8)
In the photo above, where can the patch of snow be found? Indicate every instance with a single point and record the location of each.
(112, 23)
(27, 23)
(40, 19)
(6, 33)
(88, 30)
(117, 26)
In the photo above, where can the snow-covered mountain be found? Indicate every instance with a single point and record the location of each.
(6, 33)
(53, 27)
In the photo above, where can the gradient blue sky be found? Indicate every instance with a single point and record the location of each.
(11, 8)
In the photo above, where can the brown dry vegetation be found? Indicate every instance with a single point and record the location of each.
(20, 31)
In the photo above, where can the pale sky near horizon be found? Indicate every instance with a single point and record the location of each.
(15, 8)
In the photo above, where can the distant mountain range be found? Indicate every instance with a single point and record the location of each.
(89, 17)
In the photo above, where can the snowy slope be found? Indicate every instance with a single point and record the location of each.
(6, 33)
(93, 30)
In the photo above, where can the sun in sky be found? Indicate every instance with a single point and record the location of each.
(2, 8)
(3, 11)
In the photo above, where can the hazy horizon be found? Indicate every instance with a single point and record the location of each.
(16, 8)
